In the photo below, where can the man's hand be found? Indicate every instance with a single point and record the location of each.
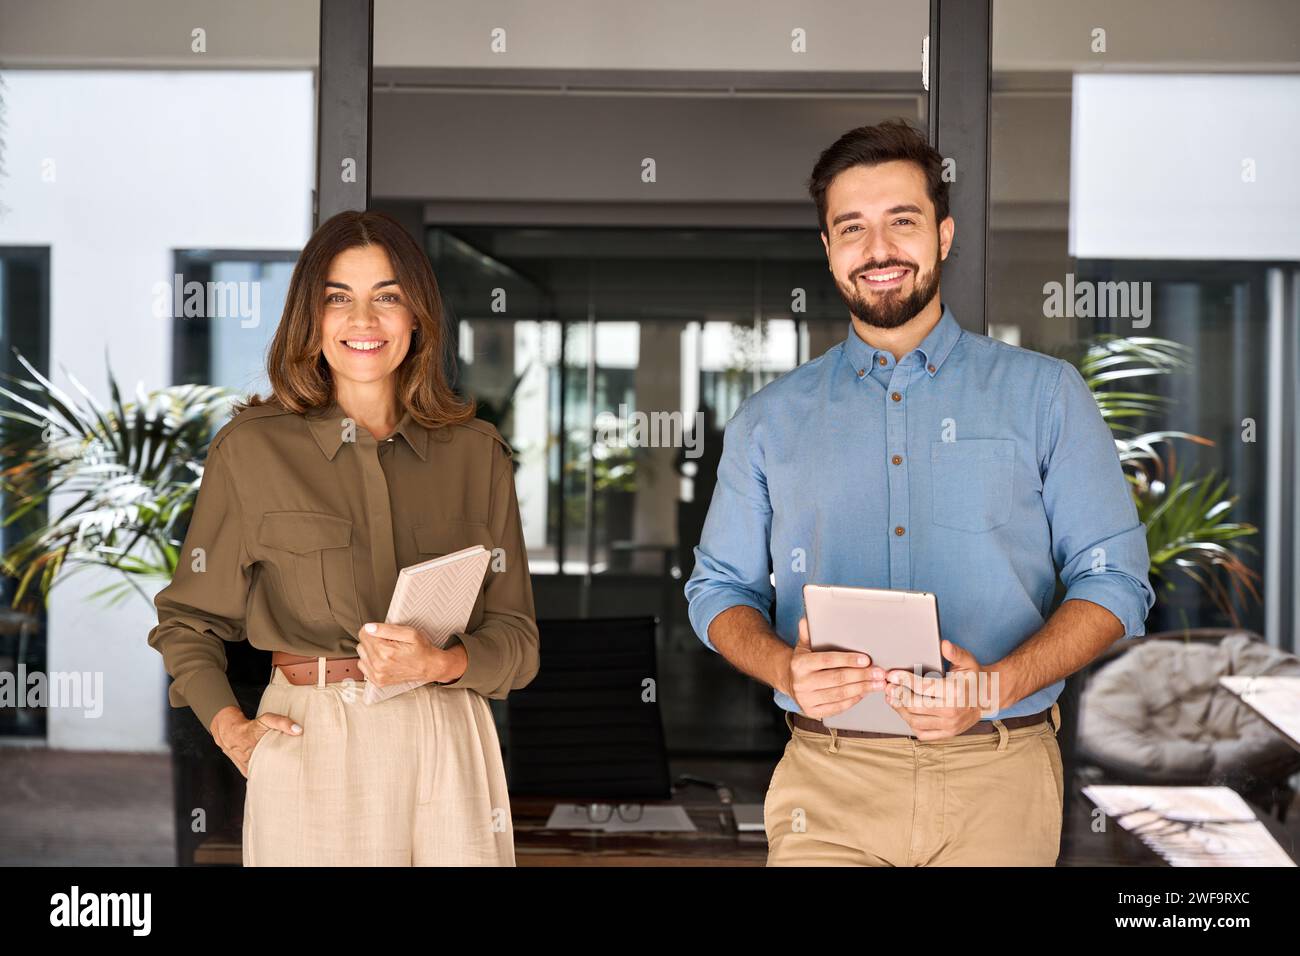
(938, 707)
(825, 683)
(393, 653)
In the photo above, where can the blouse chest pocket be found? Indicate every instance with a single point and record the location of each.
(971, 482)
(313, 552)
(448, 537)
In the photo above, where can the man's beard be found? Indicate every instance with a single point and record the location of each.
(893, 309)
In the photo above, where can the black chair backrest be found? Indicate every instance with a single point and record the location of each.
(588, 726)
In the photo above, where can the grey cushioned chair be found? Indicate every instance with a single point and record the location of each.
(1153, 712)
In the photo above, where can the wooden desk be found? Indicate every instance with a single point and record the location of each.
(711, 845)
(535, 845)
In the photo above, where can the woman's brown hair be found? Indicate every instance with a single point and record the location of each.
(295, 364)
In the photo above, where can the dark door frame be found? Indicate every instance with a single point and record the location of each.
(960, 68)
(959, 48)
(959, 71)
(343, 107)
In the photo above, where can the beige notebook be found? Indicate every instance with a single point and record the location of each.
(435, 597)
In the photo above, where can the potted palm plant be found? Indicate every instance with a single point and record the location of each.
(1190, 536)
(114, 486)
(128, 474)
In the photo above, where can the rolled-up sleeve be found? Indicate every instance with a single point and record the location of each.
(204, 605)
(732, 564)
(504, 650)
(1097, 541)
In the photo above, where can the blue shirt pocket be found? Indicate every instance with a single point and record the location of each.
(971, 482)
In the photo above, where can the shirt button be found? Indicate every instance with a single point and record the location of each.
(861, 372)
(929, 368)
(897, 459)
(882, 360)
(896, 397)
(899, 530)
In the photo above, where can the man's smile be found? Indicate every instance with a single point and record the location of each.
(885, 278)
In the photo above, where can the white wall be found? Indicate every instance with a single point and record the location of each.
(843, 35)
(849, 35)
(158, 33)
(143, 163)
(1185, 167)
(1057, 35)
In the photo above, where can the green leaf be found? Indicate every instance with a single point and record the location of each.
(127, 475)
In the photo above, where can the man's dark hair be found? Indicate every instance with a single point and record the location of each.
(871, 146)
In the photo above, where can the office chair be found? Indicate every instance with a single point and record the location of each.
(589, 726)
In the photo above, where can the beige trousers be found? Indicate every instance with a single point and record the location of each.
(979, 800)
(416, 780)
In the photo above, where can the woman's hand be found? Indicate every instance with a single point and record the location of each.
(392, 653)
(237, 736)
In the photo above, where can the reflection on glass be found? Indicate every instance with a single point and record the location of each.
(1107, 227)
(617, 446)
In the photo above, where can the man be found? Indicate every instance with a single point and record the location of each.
(920, 456)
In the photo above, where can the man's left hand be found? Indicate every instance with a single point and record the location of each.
(938, 707)
(392, 653)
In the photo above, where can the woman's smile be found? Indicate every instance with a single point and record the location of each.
(365, 346)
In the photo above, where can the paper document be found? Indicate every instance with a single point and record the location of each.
(1192, 826)
(1276, 699)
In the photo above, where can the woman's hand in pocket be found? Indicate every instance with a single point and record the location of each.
(238, 736)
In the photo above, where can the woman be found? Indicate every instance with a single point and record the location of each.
(360, 462)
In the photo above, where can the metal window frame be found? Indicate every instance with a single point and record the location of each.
(960, 56)
(191, 358)
(958, 111)
(33, 333)
(343, 106)
(1282, 532)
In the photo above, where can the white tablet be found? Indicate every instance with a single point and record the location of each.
(898, 629)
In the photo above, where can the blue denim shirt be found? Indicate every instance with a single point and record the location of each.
(971, 468)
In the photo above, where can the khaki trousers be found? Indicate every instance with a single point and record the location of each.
(415, 780)
(977, 800)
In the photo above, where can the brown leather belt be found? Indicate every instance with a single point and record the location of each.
(979, 727)
(305, 670)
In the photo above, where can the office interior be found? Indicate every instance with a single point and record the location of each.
(148, 142)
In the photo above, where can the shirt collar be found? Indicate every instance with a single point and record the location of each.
(934, 348)
(326, 425)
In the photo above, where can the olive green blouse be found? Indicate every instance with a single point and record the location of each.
(301, 525)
